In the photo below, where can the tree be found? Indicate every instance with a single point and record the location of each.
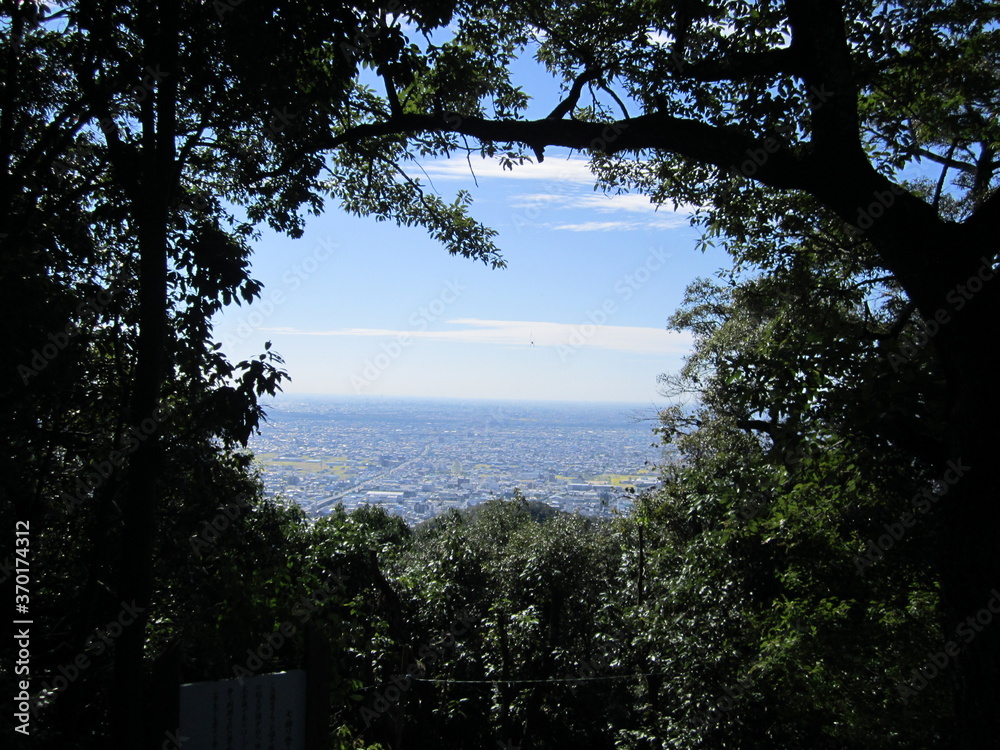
(794, 593)
(541, 644)
(141, 144)
(735, 106)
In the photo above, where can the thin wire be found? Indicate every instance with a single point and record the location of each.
(530, 682)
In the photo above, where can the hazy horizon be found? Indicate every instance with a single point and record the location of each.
(579, 314)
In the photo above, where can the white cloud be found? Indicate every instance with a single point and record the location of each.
(566, 184)
(629, 202)
(553, 169)
(600, 226)
(632, 202)
(529, 200)
(626, 226)
(656, 217)
(523, 333)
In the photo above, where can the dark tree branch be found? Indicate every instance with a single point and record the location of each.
(983, 174)
(606, 88)
(901, 321)
(833, 166)
(567, 105)
(947, 161)
(944, 173)
(844, 184)
(866, 282)
(390, 94)
(724, 147)
(191, 142)
(757, 425)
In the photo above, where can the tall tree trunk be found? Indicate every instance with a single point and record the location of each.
(139, 503)
(970, 510)
(947, 270)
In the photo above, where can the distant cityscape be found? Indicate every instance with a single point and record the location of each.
(421, 457)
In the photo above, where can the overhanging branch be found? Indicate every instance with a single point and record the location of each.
(947, 161)
(569, 103)
(724, 147)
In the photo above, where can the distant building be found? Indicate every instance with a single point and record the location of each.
(379, 496)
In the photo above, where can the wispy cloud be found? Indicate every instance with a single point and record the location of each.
(656, 216)
(524, 333)
(623, 226)
(556, 170)
(564, 184)
(600, 226)
(600, 202)
(628, 202)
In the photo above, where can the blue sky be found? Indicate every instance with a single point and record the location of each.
(579, 314)
(362, 307)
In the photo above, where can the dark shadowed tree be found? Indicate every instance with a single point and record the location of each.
(140, 145)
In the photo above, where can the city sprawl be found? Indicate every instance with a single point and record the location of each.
(420, 458)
